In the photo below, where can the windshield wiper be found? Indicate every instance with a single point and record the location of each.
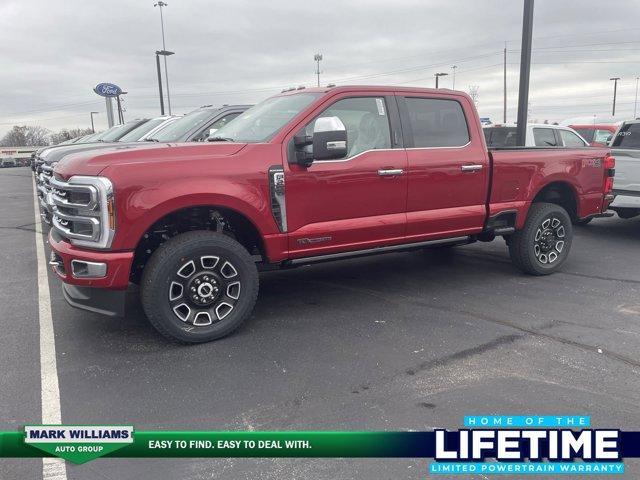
(151, 139)
(219, 139)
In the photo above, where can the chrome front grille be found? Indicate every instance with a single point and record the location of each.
(82, 209)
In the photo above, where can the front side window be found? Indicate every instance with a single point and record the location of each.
(366, 120)
(437, 122)
(262, 122)
(570, 139)
(544, 137)
(628, 136)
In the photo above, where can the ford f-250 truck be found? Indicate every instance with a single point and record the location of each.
(626, 148)
(306, 176)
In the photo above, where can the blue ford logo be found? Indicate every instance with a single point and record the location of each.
(107, 90)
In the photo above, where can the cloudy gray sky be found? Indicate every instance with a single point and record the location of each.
(52, 52)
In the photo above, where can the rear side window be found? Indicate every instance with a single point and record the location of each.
(437, 122)
(500, 136)
(586, 133)
(544, 137)
(628, 136)
(570, 139)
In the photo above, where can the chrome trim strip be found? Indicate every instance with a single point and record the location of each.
(376, 250)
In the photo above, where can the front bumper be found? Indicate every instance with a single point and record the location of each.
(118, 264)
(97, 300)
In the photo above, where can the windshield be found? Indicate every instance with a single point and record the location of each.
(176, 130)
(262, 122)
(137, 133)
(114, 133)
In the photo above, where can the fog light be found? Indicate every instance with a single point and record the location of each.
(83, 269)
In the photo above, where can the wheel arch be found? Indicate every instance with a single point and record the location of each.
(559, 192)
(167, 223)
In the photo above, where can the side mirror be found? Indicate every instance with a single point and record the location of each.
(329, 139)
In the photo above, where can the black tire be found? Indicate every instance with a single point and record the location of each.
(171, 265)
(583, 222)
(536, 249)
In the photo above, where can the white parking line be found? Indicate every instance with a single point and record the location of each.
(52, 468)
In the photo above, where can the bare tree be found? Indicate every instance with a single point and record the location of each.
(24, 136)
(64, 134)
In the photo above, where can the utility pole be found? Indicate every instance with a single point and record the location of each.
(438, 75)
(318, 57)
(453, 68)
(504, 86)
(615, 91)
(159, 82)
(525, 70)
(164, 48)
(93, 129)
(635, 103)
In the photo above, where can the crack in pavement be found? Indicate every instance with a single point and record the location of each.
(536, 332)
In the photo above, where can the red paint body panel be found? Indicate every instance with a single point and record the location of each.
(518, 176)
(118, 265)
(338, 205)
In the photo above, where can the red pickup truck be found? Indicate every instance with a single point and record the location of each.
(306, 176)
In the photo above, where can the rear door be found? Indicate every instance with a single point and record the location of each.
(448, 166)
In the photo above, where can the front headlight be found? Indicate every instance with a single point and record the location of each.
(84, 210)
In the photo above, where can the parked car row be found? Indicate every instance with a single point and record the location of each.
(309, 175)
(193, 127)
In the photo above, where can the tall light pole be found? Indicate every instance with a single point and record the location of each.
(635, 103)
(165, 54)
(93, 129)
(318, 58)
(164, 48)
(525, 70)
(453, 84)
(615, 91)
(438, 75)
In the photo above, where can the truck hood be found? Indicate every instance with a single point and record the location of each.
(58, 154)
(93, 162)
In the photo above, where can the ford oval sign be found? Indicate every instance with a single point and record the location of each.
(107, 90)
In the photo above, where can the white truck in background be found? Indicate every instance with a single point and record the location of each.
(625, 147)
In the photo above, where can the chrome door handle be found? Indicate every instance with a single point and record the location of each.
(471, 168)
(391, 172)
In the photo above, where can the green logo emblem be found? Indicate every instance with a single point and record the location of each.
(78, 443)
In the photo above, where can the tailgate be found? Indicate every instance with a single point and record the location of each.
(627, 179)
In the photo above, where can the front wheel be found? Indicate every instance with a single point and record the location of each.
(543, 245)
(199, 286)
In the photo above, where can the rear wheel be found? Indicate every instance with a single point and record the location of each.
(543, 245)
(199, 286)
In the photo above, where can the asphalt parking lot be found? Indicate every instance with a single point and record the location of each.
(395, 342)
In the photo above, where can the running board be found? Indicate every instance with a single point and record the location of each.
(378, 250)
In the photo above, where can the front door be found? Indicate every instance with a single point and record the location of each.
(358, 201)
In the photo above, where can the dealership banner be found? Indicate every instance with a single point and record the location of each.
(486, 444)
